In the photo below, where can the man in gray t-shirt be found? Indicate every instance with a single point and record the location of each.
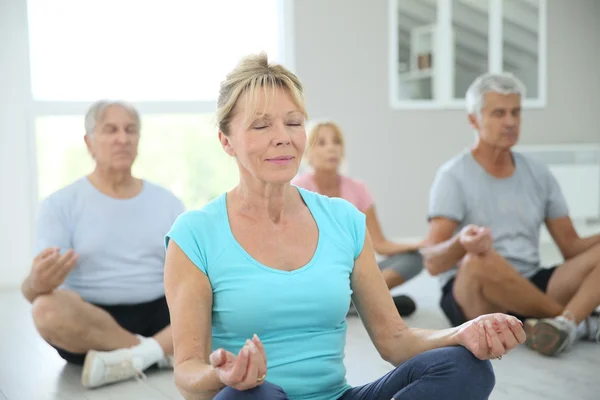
(486, 209)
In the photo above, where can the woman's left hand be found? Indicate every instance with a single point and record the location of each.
(491, 336)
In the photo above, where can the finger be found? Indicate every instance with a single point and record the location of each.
(495, 347)
(44, 253)
(262, 365)
(241, 365)
(255, 358)
(68, 265)
(481, 235)
(516, 327)
(472, 229)
(508, 339)
(260, 346)
(472, 233)
(217, 358)
(58, 266)
(46, 265)
(483, 346)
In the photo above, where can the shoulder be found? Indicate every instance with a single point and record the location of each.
(201, 234)
(457, 165)
(305, 181)
(334, 207)
(355, 184)
(201, 219)
(164, 197)
(64, 197)
(531, 164)
(338, 219)
(453, 172)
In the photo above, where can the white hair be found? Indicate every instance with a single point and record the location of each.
(96, 112)
(503, 83)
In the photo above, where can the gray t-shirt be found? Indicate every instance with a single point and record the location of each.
(513, 208)
(120, 242)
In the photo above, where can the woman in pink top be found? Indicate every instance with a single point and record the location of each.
(325, 151)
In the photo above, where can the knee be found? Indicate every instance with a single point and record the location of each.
(265, 391)
(46, 311)
(475, 375)
(472, 266)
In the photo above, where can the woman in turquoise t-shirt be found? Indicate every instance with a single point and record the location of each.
(259, 280)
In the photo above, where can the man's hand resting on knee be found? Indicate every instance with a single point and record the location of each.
(444, 248)
(48, 272)
(476, 239)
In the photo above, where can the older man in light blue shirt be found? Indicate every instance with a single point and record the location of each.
(96, 284)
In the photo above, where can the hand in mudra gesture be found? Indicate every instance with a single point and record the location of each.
(50, 268)
(491, 336)
(244, 371)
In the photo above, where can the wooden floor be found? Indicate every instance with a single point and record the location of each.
(31, 370)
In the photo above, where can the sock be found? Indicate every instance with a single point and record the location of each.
(166, 362)
(147, 353)
(587, 328)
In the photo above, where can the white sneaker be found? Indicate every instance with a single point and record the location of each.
(591, 327)
(104, 367)
(552, 336)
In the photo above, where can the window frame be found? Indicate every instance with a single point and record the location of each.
(443, 67)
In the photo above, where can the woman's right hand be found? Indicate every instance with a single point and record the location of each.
(244, 371)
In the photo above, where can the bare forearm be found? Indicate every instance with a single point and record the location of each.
(443, 256)
(197, 380)
(583, 244)
(387, 248)
(28, 291)
(415, 341)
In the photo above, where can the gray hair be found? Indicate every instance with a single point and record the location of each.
(503, 83)
(96, 112)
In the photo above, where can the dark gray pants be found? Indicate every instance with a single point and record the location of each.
(450, 373)
(407, 265)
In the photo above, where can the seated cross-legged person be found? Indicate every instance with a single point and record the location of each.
(259, 280)
(96, 284)
(324, 153)
(486, 209)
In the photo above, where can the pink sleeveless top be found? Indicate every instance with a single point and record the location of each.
(351, 190)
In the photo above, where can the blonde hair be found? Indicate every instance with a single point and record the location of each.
(313, 134)
(254, 72)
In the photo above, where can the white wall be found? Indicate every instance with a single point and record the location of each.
(342, 58)
(17, 181)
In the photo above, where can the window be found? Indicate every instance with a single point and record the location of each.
(440, 46)
(179, 152)
(83, 50)
(168, 61)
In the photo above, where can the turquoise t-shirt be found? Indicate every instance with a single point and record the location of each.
(300, 316)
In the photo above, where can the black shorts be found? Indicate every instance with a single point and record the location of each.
(146, 319)
(454, 313)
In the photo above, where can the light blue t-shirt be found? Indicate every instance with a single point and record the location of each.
(120, 242)
(300, 316)
(513, 208)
